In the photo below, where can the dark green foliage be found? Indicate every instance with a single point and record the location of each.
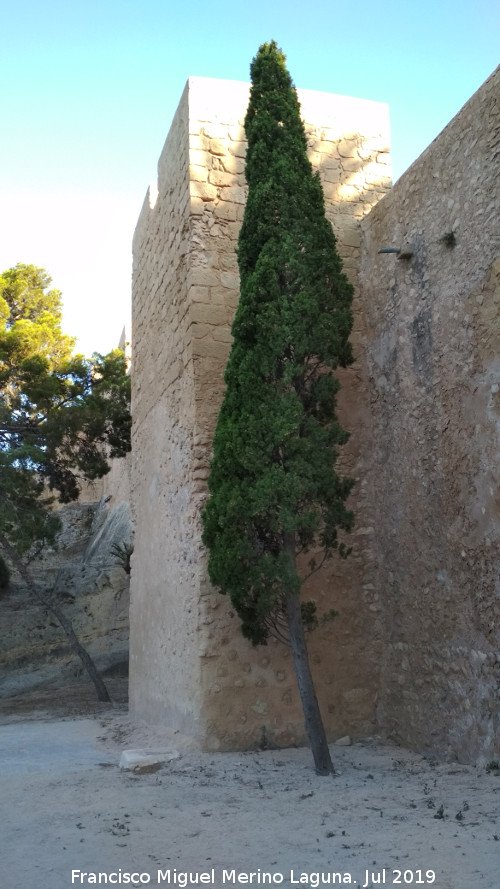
(277, 435)
(61, 416)
(4, 574)
(449, 240)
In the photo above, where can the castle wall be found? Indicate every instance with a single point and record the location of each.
(164, 662)
(432, 342)
(190, 666)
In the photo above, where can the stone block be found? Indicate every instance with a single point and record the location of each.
(331, 134)
(222, 334)
(366, 154)
(313, 145)
(348, 192)
(350, 237)
(376, 143)
(229, 262)
(218, 177)
(218, 147)
(211, 349)
(325, 149)
(209, 258)
(238, 149)
(221, 296)
(331, 174)
(232, 164)
(331, 190)
(315, 158)
(215, 130)
(384, 158)
(235, 194)
(347, 148)
(200, 331)
(378, 180)
(199, 143)
(211, 314)
(143, 761)
(198, 293)
(197, 206)
(329, 161)
(230, 279)
(203, 190)
(198, 158)
(351, 164)
(236, 133)
(198, 174)
(230, 230)
(203, 277)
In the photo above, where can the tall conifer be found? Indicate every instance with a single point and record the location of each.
(274, 492)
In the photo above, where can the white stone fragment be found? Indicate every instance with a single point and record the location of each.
(346, 741)
(134, 760)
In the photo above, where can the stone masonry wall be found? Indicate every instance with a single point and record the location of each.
(190, 666)
(432, 344)
(164, 659)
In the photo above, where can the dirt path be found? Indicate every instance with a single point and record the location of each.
(68, 807)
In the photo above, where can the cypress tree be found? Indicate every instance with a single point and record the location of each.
(274, 494)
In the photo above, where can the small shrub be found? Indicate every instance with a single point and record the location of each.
(449, 240)
(123, 553)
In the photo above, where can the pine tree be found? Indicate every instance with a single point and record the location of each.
(274, 494)
(61, 418)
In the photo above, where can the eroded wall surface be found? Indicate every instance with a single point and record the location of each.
(190, 666)
(433, 360)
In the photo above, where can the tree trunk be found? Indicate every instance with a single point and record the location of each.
(312, 716)
(65, 623)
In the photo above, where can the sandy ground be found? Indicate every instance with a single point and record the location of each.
(218, 819)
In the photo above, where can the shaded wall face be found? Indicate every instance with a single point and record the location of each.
(164, 666)
(190, 666)
(433, 361)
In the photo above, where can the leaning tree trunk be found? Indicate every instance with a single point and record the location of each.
(65, 623)
(312, 716)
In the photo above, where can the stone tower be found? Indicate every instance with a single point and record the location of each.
(190, 666)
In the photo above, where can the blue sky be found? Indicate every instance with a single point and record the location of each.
(88, 91)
